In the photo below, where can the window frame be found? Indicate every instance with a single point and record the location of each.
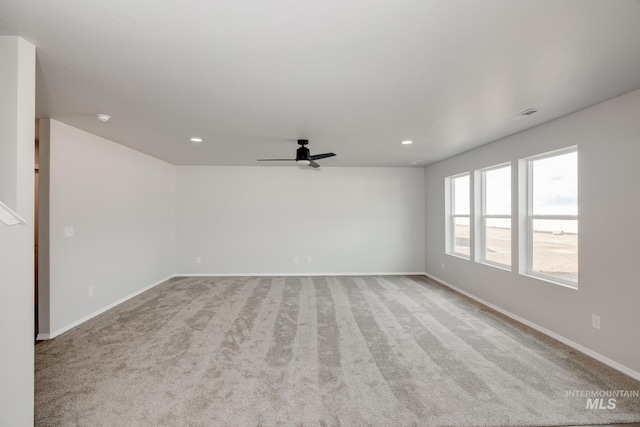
(481, 250)
(526, 234)
(450, 225)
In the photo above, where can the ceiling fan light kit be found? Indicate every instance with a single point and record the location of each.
(303, 156)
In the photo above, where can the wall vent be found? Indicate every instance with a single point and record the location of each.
(525, 113)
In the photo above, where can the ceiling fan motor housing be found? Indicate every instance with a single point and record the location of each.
(302, 153)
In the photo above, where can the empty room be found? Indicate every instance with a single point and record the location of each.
(303, 213)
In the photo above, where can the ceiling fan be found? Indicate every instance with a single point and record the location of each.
(303, 157)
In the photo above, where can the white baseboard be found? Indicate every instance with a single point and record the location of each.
(582, 349)
(395, 273)
(43, 337)
(100, 311)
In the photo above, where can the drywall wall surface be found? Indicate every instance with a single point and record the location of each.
(112, 224)
(288, 220)
(607, 136)
(44, 300)
(9, 48)
(17, 140)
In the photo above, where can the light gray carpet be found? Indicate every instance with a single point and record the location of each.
(315, 351)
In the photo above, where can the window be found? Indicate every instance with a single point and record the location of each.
(494, 228)
(458, 225)
(551, 240)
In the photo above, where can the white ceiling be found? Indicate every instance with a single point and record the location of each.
(355, 77)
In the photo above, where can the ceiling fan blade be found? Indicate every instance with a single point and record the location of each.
(321, 156)
(303, 156)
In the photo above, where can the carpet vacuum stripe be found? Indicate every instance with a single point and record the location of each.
(316, 351)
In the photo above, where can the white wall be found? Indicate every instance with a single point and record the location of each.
(135, 217)
(120, 204)
(608, 139)
(17, 118)
(254, 220)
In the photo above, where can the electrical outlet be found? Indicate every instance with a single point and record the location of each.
(309, 258)
(595, 321)
(198, 260)
(68, 231)
(442, 265)
(295, 259)
(90, 291)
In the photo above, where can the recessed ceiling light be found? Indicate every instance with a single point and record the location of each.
(104, 118)
(195, 139)
(407, 142)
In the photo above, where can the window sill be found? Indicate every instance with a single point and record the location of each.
(458, 255)
(495, 265)
(552, 280)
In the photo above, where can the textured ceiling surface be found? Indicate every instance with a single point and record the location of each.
(355, 77)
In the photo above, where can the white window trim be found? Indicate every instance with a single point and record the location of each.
(450, 246)
(483, 216)
(527, 218)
